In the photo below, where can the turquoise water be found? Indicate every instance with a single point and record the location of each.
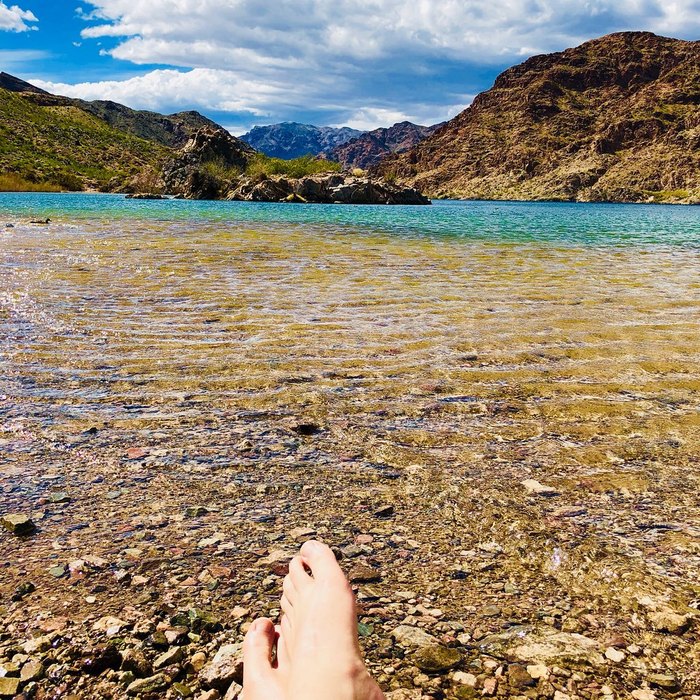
(571, 223)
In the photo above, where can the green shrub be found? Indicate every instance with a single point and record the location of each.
(11, 182)
(261, 164)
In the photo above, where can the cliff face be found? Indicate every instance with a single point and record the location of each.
(292, 140)
(368, 149)
(617, 118)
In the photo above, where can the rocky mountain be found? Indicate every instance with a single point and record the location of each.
(292, 140)
(617, 118)
(369, 148)
(72, 144)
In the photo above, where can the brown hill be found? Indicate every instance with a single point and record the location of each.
(616, 118)
(369, 148)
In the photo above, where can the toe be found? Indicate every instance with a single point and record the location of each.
(282, 650)
(287, 607)
(257, 651)
(321, 560)
(298, 575)
(289, 589)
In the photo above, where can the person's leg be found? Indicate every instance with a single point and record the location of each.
(318, 653)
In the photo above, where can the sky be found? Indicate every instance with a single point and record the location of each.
(359, 63)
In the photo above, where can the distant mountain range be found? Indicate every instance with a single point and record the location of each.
(349, 147)
(615, 119)
(292, 140)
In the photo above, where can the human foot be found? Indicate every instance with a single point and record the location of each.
(317, 651)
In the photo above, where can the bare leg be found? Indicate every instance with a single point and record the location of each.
(318, 654)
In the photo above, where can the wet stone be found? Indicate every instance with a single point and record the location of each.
(182, 691)
(100, 659)
(60, 497)
(361, 573)
(535, 488)
(18, 524)
(670, 622)
(137, 663)
(168, 658)
(148, 685)
(385, 511)
(437, 659)
(23, 590)
(32, 671)
(9, 687)
(408, 636)
(519, 677)
(664, 680)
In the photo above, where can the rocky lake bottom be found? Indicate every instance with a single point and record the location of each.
(499, 437)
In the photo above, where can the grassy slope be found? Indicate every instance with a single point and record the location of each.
(66, 147)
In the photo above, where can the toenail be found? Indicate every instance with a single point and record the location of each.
(313, 544)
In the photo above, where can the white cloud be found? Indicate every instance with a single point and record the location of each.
(207, 88)
(14, 18)
(366, 62)
(370, 29)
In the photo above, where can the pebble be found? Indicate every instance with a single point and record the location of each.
(408, 636)
(361, 573)
(538, 671)
(670, 622)
(519, 677)
(537, 489)
(18, 524)
(225, 668)
(9, 687)
(465, 678)
(664, 680)
(168, 658)
(32, 671)
(437, 658)
(148, 685)
(614, 654)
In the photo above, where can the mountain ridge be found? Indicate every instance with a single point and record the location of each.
(615, 119)
(368, 149)
(293, 139)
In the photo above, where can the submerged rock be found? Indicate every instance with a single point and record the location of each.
(17, 524)
(437, 658)
(547, 646)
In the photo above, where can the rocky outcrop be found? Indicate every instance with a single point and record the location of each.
(368, 149)
(292, 140)
(614, 119)
(326, 189)
(200, 168)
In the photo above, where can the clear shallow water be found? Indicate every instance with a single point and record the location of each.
(486, 342)
(605, 224)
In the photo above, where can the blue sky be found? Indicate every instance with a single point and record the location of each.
(364, 63)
